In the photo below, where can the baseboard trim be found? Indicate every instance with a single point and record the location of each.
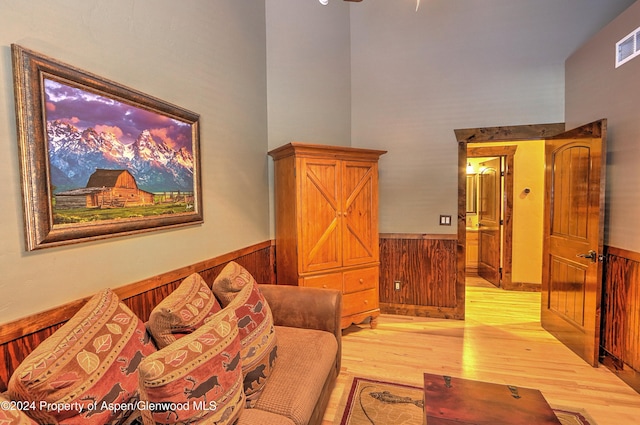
(420, 311)
(628, 375)
(523, 287)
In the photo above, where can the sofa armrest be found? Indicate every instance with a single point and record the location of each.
(308, 308)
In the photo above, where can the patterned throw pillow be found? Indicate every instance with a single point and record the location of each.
(183, 311)
(197, 379)
(87, 371)
(238, 290)
(13, 413)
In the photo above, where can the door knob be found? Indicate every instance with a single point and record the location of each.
(591, 255)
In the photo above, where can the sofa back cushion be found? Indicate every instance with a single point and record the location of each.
(86, 366)
(198, 378)
(183, 311)
(237, 289)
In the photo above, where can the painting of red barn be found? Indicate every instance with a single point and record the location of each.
(105, 189)
(99, 159)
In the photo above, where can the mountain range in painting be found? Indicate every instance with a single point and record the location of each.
(75, 154)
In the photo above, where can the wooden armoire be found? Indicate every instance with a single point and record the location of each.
(326, 207)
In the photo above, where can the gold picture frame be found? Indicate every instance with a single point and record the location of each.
(98, 159)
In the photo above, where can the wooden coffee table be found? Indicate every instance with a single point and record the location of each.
(449, 401)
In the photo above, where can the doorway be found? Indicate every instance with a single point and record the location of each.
(467, 138)
(509, 239)
(492, 222)
(574, 196)
(485, 185)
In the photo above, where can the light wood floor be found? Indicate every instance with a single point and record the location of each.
(500, 341)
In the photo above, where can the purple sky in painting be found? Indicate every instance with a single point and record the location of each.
(84, 109)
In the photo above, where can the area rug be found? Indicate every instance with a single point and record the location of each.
(374, 402)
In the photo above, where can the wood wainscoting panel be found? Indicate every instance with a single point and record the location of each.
(620, 339)
(425, 266)
(20, 337)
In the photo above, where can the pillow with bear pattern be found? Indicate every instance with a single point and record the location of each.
(88, 366)
(237, 289)
(183, 311)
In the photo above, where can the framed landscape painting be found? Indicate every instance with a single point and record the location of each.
(98, 159)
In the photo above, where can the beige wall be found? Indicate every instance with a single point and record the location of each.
(596, 89)
(412, 88)
(528, 212)
(308, 74)
(417, 76)
(205, 56)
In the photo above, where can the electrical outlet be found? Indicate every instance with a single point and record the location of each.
(396, 285)
(445, 220)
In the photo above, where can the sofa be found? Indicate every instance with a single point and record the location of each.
(230, 352)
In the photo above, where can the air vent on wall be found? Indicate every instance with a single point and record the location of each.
(628, 48)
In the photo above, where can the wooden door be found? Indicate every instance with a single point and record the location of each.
(489, 216)
(573, 238)
(359, 212)
(319, 204)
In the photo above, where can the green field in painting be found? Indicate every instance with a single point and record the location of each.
(86, 215)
